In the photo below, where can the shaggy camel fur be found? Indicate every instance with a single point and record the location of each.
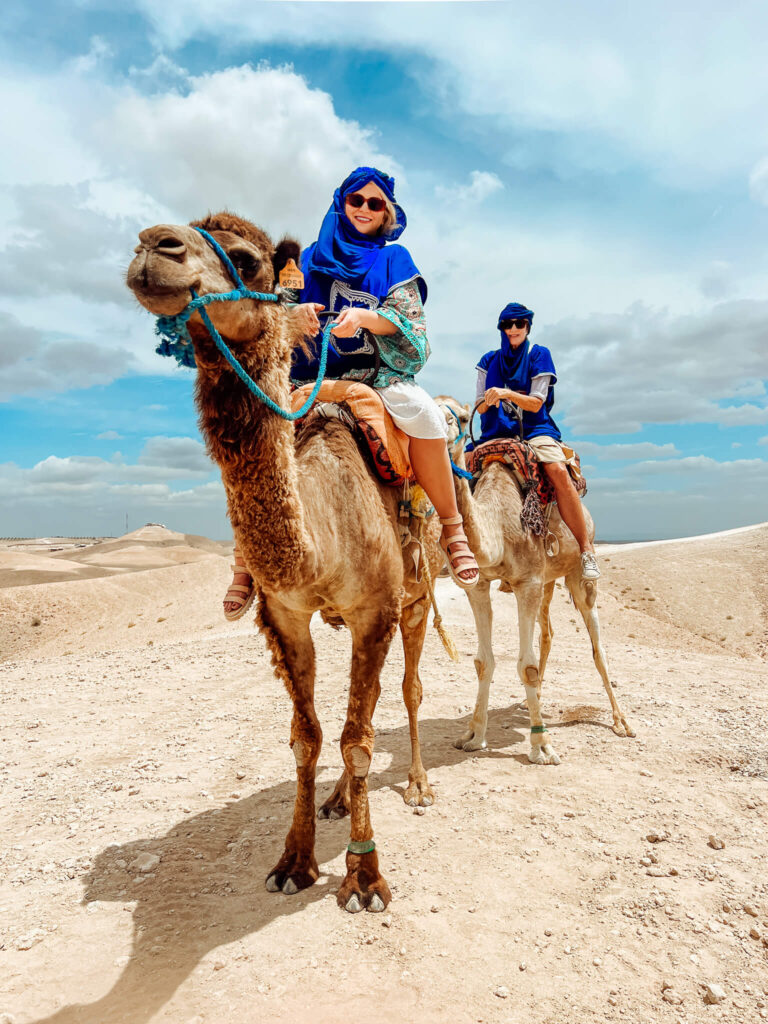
(504, 551)
(317, 531)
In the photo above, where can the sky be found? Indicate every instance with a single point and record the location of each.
(605, 164)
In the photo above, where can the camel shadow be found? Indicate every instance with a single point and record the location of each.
(207, 888)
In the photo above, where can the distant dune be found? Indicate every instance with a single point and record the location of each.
(111, 593)
(56, 560)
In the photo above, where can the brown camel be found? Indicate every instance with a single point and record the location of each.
(318, 532)
(506, 552)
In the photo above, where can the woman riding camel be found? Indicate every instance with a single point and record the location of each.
(525, 374)
(354, 271)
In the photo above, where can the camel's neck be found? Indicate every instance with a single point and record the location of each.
(254, 448)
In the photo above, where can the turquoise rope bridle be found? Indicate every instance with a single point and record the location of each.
(457, 470)
(176, 341)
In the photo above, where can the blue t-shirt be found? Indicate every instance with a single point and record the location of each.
(534, 361)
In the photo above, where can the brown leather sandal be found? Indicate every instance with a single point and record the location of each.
(457, 551)
(238, 594)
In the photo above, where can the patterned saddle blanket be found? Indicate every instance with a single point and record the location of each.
(534, 483)
(362, 410)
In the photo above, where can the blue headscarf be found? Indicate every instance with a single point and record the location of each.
(510, 358)
(343, 253)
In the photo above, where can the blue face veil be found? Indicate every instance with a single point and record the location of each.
(511, 359)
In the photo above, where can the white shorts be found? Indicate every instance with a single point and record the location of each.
(414, 410)
(547, 449)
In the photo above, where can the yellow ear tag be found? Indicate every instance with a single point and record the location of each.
(290, 276)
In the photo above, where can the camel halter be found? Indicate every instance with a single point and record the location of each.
(176, 341)
(457, 470)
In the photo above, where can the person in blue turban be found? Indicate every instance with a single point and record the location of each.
(524, 374)
(357, 271)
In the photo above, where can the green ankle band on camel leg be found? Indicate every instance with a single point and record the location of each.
(361, 846)
(538, 729)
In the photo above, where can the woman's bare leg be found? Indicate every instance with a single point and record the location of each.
(432, 468)
(569, 503)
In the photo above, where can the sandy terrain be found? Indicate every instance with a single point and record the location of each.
(140, 731)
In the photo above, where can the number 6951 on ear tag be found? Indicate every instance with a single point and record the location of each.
(290, 276)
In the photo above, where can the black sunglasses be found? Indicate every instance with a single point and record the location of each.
(375, 205)
(519, 324)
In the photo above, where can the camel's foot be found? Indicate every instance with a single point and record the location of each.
(363, 888)
(419, 793)
(338, 804)
(293, 872)
(472, 739)
(543, 753)
(622, 727)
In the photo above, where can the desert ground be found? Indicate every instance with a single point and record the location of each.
(146, 785)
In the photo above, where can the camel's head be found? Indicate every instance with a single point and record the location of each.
(456, 418)
(171, 259)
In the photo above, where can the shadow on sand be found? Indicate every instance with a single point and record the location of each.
(208, 889)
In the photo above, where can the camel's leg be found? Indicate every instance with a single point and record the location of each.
(293, 655)
(480, 602)
(545, 624)
(529, 598)
(584, 593)
(338, 803)
(363, 886)
(413, 626)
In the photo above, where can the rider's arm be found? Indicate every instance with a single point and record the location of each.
(405, 348)
(529, 403)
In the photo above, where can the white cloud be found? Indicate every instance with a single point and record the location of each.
(256, 140)
(678, 498)
(481, 185)
(618, 452)
(31, 363)
(181, 453)
(653, 83)
(109, 435)
(617, 372)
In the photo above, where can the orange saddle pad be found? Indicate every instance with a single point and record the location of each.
(387, 444)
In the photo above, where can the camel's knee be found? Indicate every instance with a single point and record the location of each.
(357, 760)
(529, 673)
(305, 751)
(413, 691)
(484, 669)
(357, 749)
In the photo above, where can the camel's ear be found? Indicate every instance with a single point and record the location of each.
(287, 249)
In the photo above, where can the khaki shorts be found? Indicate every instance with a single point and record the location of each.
(547, 449)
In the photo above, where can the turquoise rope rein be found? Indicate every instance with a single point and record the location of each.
(176, 341)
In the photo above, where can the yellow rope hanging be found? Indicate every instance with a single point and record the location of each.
(437, 621)
(416, 505)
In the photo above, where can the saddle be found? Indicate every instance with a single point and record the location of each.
(534, 483)
(362, 410)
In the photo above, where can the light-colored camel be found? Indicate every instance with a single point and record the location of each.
(506, 552)
(318, 532)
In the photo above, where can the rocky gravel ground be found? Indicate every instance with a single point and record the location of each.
(146, 785)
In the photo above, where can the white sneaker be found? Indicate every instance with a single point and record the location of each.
(589, 569)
